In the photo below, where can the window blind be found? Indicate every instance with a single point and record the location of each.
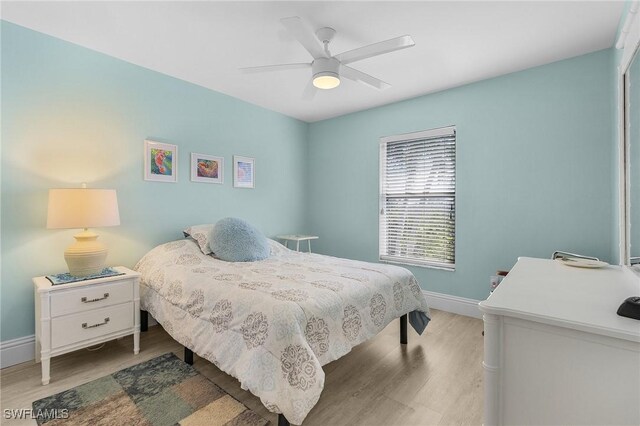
(418, 198)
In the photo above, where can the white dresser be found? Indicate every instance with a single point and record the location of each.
(555, 352)
(76, 315)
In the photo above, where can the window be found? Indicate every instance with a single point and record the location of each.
(418, 198)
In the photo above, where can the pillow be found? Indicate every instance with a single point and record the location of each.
(277, 249)
(235, 240)
(200, 233)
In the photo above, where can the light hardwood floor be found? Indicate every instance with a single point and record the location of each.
(434, 380)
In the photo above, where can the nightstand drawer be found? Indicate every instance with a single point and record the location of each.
(90, 297)
(91, 324)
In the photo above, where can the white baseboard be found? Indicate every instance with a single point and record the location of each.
(454, 304)
(16, 351)
(22, 349)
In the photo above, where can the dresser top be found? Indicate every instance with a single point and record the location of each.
(42, 284)
(550, 292)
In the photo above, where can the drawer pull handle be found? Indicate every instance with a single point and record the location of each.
(106, 321)
(85, 300)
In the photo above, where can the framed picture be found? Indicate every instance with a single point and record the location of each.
(160, 162)
(244, 172)
(207, 168)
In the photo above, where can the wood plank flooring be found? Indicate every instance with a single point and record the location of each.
(434, 380)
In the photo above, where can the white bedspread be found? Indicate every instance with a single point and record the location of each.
(272, 324)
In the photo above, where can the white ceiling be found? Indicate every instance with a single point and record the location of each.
(206, 42)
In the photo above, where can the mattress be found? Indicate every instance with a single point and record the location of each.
(273, 324)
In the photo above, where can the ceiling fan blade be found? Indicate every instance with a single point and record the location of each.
(376, 49)
(309, 91)
(280, 67)
(355, 75)
(307, 38)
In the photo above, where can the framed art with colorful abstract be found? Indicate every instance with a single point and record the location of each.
(160, 161)
(207, 168)
(244, 172)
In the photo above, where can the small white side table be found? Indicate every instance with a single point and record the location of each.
(84, 313)
(297, 239)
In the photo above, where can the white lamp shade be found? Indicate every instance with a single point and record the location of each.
(82, 208)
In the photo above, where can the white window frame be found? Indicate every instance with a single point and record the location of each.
(408, 137)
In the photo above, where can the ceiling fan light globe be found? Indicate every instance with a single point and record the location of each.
(326, 80)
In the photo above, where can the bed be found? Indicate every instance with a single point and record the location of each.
(273, 324)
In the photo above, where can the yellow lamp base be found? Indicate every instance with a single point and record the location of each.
(86, 256)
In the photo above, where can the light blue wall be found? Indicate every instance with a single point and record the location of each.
(535, 163)
(534, 170)
(72, 115)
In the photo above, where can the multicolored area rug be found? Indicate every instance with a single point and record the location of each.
(162, 391)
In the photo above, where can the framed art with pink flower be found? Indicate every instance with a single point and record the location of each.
(207, 168)
(160, 161)
(244, 172)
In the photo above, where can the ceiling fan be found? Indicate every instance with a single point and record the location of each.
(326, 68)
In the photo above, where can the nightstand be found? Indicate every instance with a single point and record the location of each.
(84, 313)
(297, 239)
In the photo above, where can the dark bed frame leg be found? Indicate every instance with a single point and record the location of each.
(403, 329)
(188, 356)
(282, 420)
(144, 320)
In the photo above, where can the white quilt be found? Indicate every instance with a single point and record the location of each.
(272, 324)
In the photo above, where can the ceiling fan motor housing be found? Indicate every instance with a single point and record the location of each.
(326, 73)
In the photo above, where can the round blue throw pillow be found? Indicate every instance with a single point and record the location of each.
(235, 240)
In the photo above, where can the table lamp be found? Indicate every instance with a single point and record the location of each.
(83, 208)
